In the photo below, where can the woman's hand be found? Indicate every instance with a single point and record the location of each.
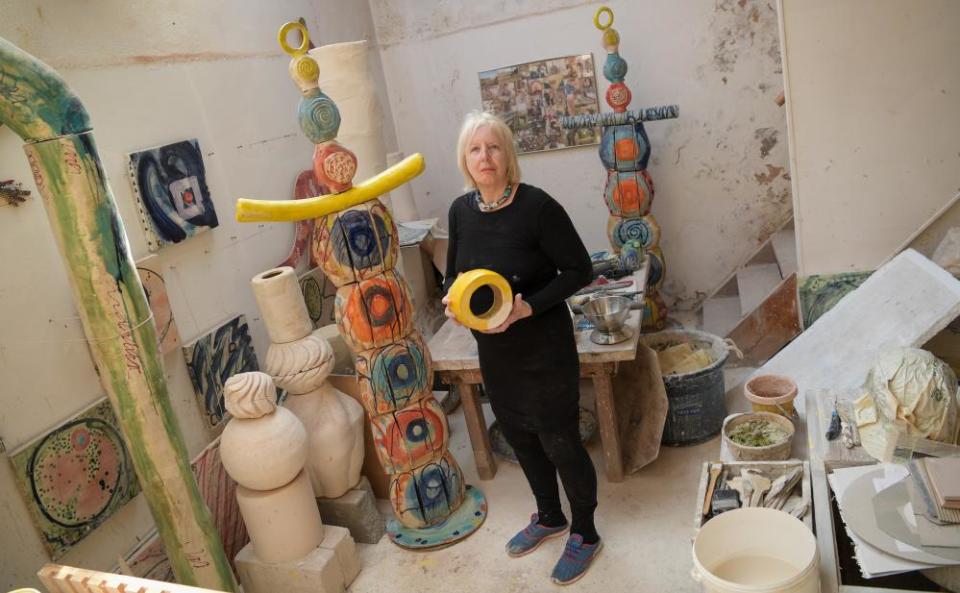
(520, 310)
(446, 302)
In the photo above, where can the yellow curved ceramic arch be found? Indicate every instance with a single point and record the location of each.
(294, 210)
(468, 283)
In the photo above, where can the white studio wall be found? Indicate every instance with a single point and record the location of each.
(149, 75)
(720, 169)
(874, 127)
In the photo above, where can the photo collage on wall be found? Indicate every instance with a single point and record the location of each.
(533, 97)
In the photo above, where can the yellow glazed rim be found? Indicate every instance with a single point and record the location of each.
(468, 283)
(598, 17)
(304, 36)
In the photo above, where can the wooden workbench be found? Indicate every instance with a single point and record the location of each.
(454, 353)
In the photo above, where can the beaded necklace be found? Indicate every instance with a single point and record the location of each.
(484, 207)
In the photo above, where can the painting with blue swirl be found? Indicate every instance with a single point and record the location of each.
(170, 186)
(214, 358)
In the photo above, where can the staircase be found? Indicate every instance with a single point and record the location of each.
(756, 305)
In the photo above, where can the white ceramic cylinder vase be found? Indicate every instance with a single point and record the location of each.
(281, 305)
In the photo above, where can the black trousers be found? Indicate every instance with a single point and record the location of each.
(544, 454)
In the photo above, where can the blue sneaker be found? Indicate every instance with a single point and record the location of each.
(576, 559)
(531, 537)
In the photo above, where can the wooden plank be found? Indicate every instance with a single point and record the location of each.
(770, 327)
(609, 435)
(68, 579)
(477, 429)
(642, 404)
(453, 377)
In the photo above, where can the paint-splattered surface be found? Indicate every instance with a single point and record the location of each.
(75, 476)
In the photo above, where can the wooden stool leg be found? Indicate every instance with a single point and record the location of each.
(609, 435)
(477, 428)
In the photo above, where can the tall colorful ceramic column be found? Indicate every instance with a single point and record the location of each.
(357, 248)
(625, 151)
(40, 108)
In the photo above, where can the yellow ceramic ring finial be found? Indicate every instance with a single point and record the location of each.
(468, 283)
(596, 18)
(304, 39)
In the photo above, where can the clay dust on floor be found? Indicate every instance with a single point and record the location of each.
(646, 522)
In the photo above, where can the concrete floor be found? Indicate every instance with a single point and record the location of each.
(646, 523)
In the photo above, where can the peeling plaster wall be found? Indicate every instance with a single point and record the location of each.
(721, 171)
(150, 74)
(874, 125)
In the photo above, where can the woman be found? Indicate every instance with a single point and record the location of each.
(529, 363)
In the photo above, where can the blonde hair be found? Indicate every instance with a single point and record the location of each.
(473, 122)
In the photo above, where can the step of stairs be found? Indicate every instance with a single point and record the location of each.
(785, 246)
(754, 284)
(721, 315)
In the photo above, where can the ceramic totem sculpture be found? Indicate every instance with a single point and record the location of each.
(264, 448)
(625, 151)
(300, 360)
(355, 242)
(37, 105)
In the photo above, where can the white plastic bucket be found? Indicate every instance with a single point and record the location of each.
(756, 550)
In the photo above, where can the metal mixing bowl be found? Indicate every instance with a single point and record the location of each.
(608, 312)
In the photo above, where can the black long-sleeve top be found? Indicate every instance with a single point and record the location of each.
(531, 370)
(531, 242)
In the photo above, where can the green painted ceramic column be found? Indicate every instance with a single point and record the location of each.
(41, 109)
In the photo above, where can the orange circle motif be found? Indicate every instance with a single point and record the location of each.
(626, 149)
(340, 167)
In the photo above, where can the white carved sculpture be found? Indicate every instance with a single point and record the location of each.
(300, 360)
(263, 448)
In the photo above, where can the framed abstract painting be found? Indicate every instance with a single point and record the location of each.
(75, 476)
(170, 186)
(215, 357)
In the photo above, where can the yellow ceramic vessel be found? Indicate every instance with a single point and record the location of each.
(468, 283)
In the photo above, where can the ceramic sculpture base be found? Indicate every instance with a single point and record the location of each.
(459, 525)
(328, 568)
(356, 511)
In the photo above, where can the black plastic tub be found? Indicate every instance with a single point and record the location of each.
(696, 399)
